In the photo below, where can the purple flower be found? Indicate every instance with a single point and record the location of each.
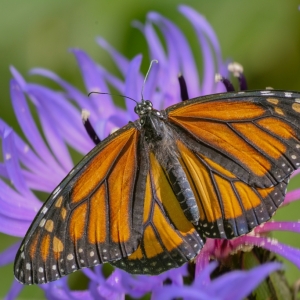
(41, 161)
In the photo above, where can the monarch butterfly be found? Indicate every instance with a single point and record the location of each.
(146, 197)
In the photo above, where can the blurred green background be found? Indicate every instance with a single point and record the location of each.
(263, 36)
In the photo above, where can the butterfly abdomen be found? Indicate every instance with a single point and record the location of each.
(182, 190)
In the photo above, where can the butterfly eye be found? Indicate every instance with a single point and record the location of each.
(148, 103)
(137, 108)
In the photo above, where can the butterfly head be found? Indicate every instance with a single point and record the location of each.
(143, 107)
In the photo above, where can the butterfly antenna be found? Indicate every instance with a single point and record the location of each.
(112, 95)
(152, 61)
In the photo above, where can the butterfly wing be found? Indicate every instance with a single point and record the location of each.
(238, 151)
(169, 239)
(94, 215)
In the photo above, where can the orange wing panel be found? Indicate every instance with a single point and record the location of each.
(97, 217)
(136, 255)
(151, 244)
(232, 208)
(169, 236)
(201, 184)
(45, 247)
(224, 139)
(97, 170)
(148, 201)
(33, 246)
(120, 184)
(220, 110)
(247, 195)
(58, 246)
(77, 222)
(166, 195)
(277, 127)
(268, 144)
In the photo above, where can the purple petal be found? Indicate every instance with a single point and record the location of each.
(14, 227)
(203, 269)
(206, 36)
(93, 276)
(104, 127)
(8, 255)
(40, 182)
(202, 260)
(55, 139)
(80, 98)
(295, 173)
(239, 284)
(59, 290)
(133, 85)
(14, 290)
(19, 78)
(270, 244)
(279, 226)
(94, 82)
(292, 196)
(199, 21)
(64, 116)
(113, 80)
(178, 44)
(8, 193)
(17, 209)
(167, 80)
(120, 60)
(12, 164)
(27, 157)
(28, 125)
(185, 292)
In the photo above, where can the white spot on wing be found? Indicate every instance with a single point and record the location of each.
(42, 223)
(56, 191)
(44, 210)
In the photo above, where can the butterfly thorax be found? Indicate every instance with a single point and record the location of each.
(150, 121)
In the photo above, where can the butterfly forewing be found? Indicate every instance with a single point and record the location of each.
(255, 137)
(94, 216)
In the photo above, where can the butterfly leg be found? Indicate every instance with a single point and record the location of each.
(183, 190)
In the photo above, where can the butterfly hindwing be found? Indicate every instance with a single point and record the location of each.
(94, 216)
(169, 239)
(228, 207)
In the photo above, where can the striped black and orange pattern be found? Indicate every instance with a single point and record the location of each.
(146, 198)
